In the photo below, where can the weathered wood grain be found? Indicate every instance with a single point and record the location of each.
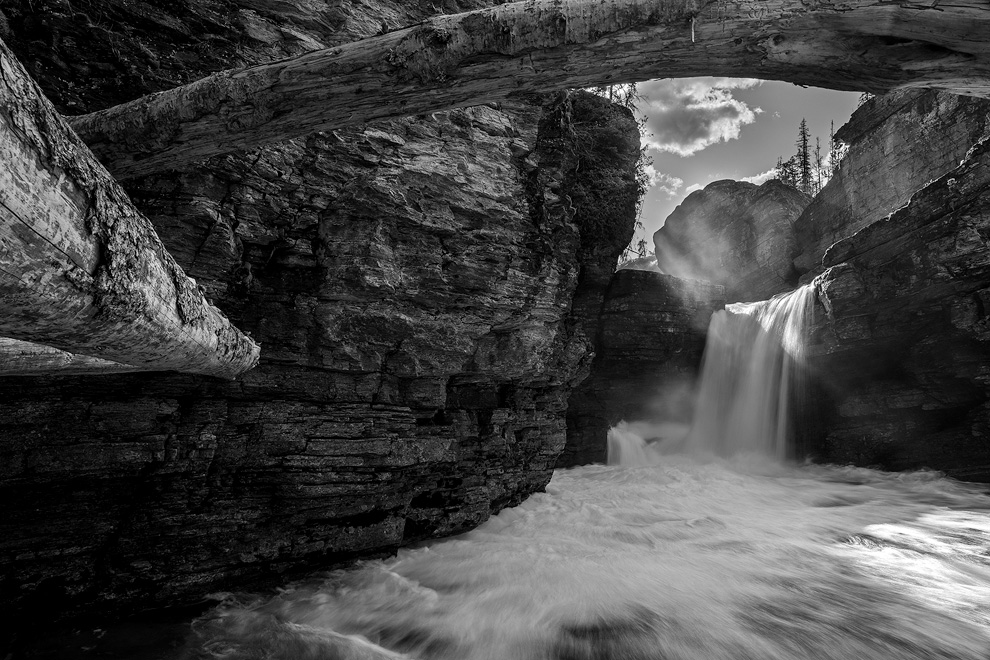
(80, 268)
(22, 358)
(473, 57)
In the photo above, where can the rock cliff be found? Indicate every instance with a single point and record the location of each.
(905, 332)
(897, 144)
(648, 350)
(411, 284)
(900, 341)
(734, 234)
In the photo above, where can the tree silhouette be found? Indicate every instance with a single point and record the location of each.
(803, 158)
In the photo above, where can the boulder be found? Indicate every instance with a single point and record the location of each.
(734, 234)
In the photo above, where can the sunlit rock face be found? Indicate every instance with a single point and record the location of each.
(897, 143)
(648, 350)
(414, 286)
(734, 234)
(904, 333)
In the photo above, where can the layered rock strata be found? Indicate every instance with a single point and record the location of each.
(647, 354)
(411, 284)
(905, 337)
(734, 234)
(897, 144)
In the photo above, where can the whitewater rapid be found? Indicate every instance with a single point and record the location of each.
(718, 551)
(677, 560)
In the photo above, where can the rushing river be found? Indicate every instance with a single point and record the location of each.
(698, 545)
(679, 559)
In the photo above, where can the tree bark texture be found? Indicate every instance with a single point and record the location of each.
(22, 358)
(478, 56)
(80, 268)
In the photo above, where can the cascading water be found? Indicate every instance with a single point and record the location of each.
(750, 371)
(663, 557)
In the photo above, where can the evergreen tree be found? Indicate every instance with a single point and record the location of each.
(810, 169)
(836, 150)
(778, 169)
(803, 158)
(786, 171)
(819, 165)
(641, 247)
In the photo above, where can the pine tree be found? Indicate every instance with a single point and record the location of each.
(641, 247)
(786, 171)
(803, 158)
(835, 152)
(819, 167)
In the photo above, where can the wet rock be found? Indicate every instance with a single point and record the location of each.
(904, 341)
(647, 354)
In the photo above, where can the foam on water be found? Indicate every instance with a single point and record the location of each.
(669, 557)
(751, 370)
(676, 560)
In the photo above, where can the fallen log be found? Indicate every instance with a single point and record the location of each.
(22, 358)
(464, 59)
(80, 268)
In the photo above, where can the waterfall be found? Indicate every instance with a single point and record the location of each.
(751, 376)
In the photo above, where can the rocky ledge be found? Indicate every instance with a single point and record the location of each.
(412, 286)
(905, 333)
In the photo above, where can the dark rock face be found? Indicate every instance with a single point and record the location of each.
(897, 144)
(734, 234)
(649, 347)
(412, 287)
(905, 337)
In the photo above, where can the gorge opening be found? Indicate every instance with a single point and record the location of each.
(455, 268)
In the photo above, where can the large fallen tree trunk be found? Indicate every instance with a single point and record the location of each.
(463, 59)
(22, 358)
(80, 268)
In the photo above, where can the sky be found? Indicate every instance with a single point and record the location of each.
(705, 129)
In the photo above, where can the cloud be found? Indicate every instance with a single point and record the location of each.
(694, 186)
(686, 115)
(761, 178)
(663, 182)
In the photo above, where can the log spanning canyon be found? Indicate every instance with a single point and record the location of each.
(81, 269)
(429, 291)
(52, 238)
(484, 55)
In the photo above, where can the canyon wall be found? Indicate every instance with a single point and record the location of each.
(647, 352)
(904, 339)
(734, 234)
(897, 144)
(411, 284)
(900, 344)
(901, 233)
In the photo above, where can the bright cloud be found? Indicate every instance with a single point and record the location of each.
(686, 115)
(761, 178)
(694, 186)
(663, 182)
